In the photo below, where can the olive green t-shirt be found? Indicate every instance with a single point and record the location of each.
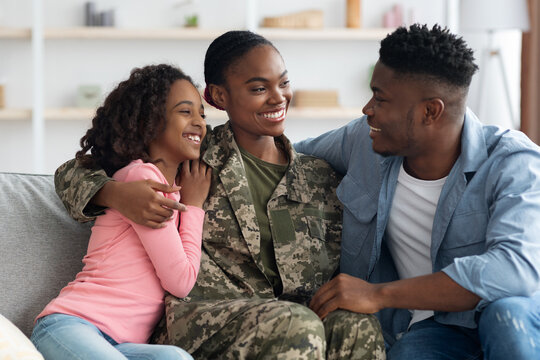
(263, 178)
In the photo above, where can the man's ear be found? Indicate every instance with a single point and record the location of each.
(433, 110)
(219, 95)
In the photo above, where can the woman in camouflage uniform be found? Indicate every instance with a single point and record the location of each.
(272, 227)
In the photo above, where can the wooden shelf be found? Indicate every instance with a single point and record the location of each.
(15, 114)
(370, 34)
(213, 115)
(15, 33)
(49, 114)
(324, 113)
(73, 113)
(106, 33)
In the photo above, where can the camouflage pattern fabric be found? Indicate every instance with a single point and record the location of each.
(76, 186)
(250, 329)
(232, 312)
(272, 329)
(353, 336)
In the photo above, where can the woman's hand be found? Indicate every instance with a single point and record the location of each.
(139, 201)
(194, 180)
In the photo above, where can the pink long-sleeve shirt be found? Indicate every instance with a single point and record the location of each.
(128, 267)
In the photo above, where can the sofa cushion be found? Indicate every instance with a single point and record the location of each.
(13, 343)
(42, 247)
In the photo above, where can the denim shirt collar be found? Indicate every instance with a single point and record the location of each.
(473, 144)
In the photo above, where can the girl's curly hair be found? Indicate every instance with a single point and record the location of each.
(132, 115)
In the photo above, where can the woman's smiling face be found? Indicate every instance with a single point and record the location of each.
(257, 94)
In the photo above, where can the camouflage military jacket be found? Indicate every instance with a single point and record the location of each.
(305, 219)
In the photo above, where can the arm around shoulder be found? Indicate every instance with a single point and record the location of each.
(76, 186)
(337, 146)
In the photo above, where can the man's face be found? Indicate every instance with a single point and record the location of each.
(393, 113)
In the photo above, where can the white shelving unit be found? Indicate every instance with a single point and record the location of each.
(105, 33)
(41, 38)
(97, 33)
(47, 55)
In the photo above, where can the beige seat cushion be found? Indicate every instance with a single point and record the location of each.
(14, 344)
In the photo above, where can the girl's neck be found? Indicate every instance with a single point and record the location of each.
(169, 170)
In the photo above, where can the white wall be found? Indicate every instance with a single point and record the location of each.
(490, 103)
(343, 65)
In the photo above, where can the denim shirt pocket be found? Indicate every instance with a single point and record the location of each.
(359, 213)
(465, 236)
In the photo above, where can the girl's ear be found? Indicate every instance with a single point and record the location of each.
(219, 95)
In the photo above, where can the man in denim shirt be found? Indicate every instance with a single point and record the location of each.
(442, 214)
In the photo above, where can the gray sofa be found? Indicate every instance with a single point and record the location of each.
(41, 246)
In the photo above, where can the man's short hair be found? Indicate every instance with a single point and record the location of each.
(436, 53)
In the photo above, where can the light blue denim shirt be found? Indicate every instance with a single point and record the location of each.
(486, 230)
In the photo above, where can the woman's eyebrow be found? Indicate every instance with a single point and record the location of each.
(258, 78)
(254, 79)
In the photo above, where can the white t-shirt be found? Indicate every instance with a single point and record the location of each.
(409, 228)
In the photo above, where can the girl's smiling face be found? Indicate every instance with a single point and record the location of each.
(185, 125)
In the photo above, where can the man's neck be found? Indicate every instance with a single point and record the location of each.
(434, 163)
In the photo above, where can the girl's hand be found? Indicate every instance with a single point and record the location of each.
(195, 178)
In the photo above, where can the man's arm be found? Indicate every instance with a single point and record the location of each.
(430, 292)
(86, 193)
(337, 146)
(510, 266)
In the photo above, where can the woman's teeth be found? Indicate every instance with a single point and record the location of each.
(274, 115)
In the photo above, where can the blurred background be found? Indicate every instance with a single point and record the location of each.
(60, 58)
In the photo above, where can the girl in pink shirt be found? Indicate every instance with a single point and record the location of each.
(148, 126)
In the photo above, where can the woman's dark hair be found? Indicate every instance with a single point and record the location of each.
(434, 52)
(224, 51)
(132, 115)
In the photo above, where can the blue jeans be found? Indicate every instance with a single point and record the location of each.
(66, 337)
(508, 328)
